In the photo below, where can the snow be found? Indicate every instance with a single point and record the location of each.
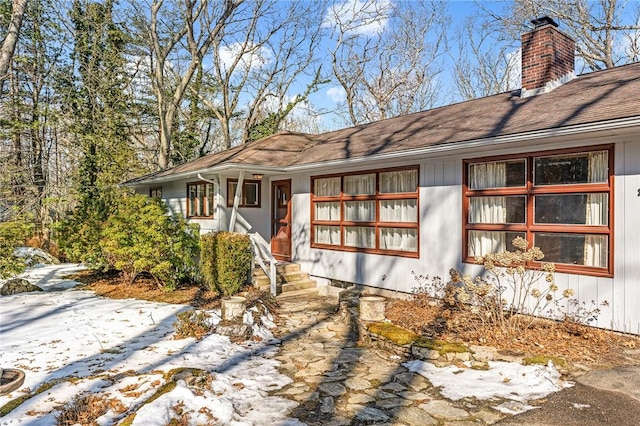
(121, 350)
(508, 380)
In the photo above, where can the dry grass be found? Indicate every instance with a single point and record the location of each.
(111, 285)
(593, 347)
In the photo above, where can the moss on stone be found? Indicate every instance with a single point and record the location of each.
(544, 360)
(398, 335)
(441, 346)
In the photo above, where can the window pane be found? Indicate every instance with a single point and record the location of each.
(497, 209)
(360, 211)
(360, 236)
(484, 242)
(574, 249)
(327, 235)
(327, 187)
(398, 181)
(572, 209)
(497, 174)
(250, 194)
(327, 211)
(193, 200)
(209, 200)
(399, 239)
(399, 211)
(360, 184)
(232, 191)
(588, 167)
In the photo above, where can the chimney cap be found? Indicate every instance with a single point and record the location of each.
(542, 21)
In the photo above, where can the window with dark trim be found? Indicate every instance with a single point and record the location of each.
(372, 212)
(200, 199)
(155, 192)
(251, 190)
(560, 201)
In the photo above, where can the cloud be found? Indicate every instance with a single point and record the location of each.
(336, 94)
(358, 17)
(251, 57)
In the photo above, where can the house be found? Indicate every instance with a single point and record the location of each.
(557, 162)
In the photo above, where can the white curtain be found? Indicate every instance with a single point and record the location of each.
(360, 184)
(360, 211)
(327, 211)
(487, 209)
(327, 235)
(398, 181)
(327, 187)
(359, 236)
(398, 211)
(398, 239)
(595, 246)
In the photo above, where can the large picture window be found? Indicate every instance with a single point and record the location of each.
(200, 199)
(250, 196)
(373, 212)
(559, 201)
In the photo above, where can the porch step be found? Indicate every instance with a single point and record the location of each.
(298, 293)
(290, 279)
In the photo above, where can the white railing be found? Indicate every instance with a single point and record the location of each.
(263, 254)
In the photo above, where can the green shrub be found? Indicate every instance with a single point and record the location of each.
(233, 258)
(79, 236)
(12, 235)
(141, 237)
(208, 260)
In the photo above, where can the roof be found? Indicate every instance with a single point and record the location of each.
(591, 98)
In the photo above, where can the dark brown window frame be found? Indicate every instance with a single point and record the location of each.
(529, 191)
(206, 202)
(230, 195)
(153, 192)
(376, 224)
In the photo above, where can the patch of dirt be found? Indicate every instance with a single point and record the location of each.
(577, 344)
(109, 284)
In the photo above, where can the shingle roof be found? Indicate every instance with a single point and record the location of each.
(596, 97)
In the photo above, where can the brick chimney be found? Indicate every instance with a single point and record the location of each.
(547, 58)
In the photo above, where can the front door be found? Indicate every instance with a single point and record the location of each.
(281, 219)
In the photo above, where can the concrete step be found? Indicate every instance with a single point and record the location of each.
(290, 287)
(282, 278)
(298, 293)
(281, 268)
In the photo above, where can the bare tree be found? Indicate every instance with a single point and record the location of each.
(173, 31)
(10, 41)
(485, 65)
(385, 56)
(605, 31)
(259, 61)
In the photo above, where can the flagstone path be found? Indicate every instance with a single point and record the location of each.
(338, 381)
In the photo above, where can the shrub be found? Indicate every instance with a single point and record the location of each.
(208, 260)
(79, 236)
(12, 235)
(233, 258)
(193, 324)
(141, 237)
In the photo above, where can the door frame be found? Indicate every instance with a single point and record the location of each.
(287, 220)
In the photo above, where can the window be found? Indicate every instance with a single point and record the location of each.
(559, 201)
(371, 212)
(250, 196)
(200, 199)
(155, 192)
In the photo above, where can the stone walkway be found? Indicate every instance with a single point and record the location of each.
(337, 381)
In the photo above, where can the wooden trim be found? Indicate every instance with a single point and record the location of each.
(205, 200)
(376, 225)
(242, 198)
(530, 228)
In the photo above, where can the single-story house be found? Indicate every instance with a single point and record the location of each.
(556, 162)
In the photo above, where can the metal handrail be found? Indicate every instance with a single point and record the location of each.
(262, 251)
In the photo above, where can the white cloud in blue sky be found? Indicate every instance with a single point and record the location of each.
(358, 17)
(336, 94)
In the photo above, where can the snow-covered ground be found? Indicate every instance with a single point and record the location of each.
(121, 350)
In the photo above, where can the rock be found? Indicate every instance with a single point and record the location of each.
(444, 411)
(332, 389)
(235, 331)
(357, 383)
(414, 416)
(18, 285)
(327, 406)
(370, 414)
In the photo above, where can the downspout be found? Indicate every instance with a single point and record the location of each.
(236, 202)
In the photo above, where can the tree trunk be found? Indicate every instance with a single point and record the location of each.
(11, 39)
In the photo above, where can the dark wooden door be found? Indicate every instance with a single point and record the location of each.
(281, 219)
